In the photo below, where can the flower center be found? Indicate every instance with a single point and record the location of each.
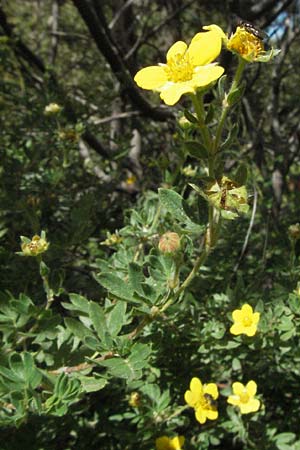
(244, 397)
(246, 44)
(247, 321)
(179, 68)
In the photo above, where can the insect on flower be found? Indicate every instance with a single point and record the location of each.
(252, 29)
(210, 400)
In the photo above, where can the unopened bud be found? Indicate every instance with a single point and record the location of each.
(52, 109)
(294, 231)
(135, 399)
(169, 242)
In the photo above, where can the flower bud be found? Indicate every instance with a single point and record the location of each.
(184, 123)
(294, 231)
(52, 109)
(169, 242)
(135, 399)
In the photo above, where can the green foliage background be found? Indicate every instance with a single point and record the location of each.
(67, 370)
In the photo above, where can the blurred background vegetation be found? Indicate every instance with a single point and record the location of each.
(77, 175)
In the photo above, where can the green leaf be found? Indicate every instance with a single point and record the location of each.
(196, 149)
(80, 303)
(231, 137)
(97, 316)
(92, 384)
(116, 286)
(173, 202)
(241, 174)
(77, 328)
(136, 278)
(190, 116)
(210, 114)
(116, 318)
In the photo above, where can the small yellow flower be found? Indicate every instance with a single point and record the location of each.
(166, 443)
(245, 321)
(294, 231)
(249, 45)
(187, 68)
(35, 247)
(135, 399)
(52, 109)
(243, 397)
(202, 397)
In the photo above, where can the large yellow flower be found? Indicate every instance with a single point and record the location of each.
(202, 397)
(245, 321)
(187, 68)
(243, 397)
(166, 443)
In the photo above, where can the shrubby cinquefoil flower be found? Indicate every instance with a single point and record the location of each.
(187, 68)
(245, 321)
(202, 397)
(52, 109)
(249, 45)
(35, 246)
(243, 397)
(166, 443)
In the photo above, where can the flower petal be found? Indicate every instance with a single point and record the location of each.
(251, 387)
(238, 388)
(236, 329)
(152, 77)
(255, 318)
(234, 400)
(177, 442)
(237, 315)
(247, 310)
(205, 75)
(251, 406)
(205, 47)
(250, 331)
(216, 29)
(171, 92)
(179, 48)
(162, 443)
(196, 386)
(200, 415)
(211, 389)
(212, 414)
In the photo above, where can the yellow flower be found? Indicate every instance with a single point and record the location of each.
(52, 108)
(135, 399)
(202, 397)
(248, 43)
(243, 397)
(187, 68)
(166, 443)
(245, 321)
(35, 247)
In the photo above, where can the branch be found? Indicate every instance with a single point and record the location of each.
(110, 52)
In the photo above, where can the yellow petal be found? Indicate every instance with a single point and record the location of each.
(162, 443)
(179, 48)
(251, 387)
(247, 310)
(205, 75)
(238, 388)
(171, 92)
(234, 400)
(237, 315)
(211, 415)
(196, 386)
(250, 331)
(190, 398)
(152, 77)
(236, 329)
(177, 442)
(211, 389)
(200, 415)
(205, 47)
(216, 29)
(255, 317)
(251, 406)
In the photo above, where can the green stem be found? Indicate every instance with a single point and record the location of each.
(200, 112)
(238, 74)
